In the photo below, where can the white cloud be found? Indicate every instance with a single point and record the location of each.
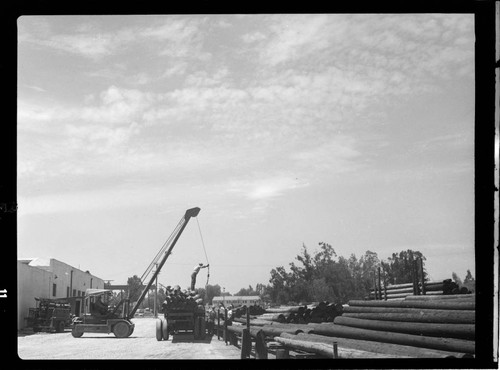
(265, 188)
(253, 37)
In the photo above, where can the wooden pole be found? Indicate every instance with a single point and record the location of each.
(403, 310)
(417, 304)
(385, 286)
(445, 344)
(282, 354)
(318, 348)
(271, 331)
(246, 344)
(260, 346)
(422, 277)
(375, 286)
(379, 286)
(248, 318)
(459, 331)
(451, 297)
(450, 317)
(335, 350)
(412, 273)
(374, 349)
(225, 325)
(415, 269)
(218, 323)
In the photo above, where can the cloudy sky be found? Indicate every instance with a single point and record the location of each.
(355, 130)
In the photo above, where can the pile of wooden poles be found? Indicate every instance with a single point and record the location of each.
(401, 291)
(430, 322)
(314, 313)
(427, 326)
(177, 299)
(254, 310)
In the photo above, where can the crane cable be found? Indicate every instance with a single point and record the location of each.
(206, 256)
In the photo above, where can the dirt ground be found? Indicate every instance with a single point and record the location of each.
(142, 344)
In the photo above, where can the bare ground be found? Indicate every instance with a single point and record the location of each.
(142, 344)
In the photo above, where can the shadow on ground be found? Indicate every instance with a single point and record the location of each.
(189, 338)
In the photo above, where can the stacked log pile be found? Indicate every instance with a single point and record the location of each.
(317, 312)
(432, 323)
(427, 326)
(401, 291)
(254, 310)
(180, 300)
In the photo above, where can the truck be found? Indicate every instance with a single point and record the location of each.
(97, 319)
(49, 315)
(184, 316)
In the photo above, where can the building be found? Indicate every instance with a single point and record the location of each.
(50, 278)
(236, 301)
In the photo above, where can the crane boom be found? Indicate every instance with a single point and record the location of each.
(192, 212)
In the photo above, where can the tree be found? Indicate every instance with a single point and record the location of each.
(212, 291)
(469, 278)
(280, 282)
(456, 279)
(246, 292)
(134, 287)
(399, 268)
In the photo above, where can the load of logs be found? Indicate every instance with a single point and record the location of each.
(177, 299)
(426, 326)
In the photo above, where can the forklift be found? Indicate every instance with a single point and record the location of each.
(98, 319)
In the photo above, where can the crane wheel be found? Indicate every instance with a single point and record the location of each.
(196, 328)
(159, 329)
(164, 327)
(60, 327)
(121, 329)
(76, 333)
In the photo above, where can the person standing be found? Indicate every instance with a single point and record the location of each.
(211, 321)
(197, 269)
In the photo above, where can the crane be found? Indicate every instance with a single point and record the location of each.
(123, 326)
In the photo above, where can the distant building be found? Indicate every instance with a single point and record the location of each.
(50, 278)
(236, 301)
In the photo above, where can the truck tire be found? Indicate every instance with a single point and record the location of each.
(196, 328)
(76, 333)
(203, 328)
(159, 329)
(59, 326)
(164, 326)
(121, 329)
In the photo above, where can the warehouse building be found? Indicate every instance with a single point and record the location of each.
(50, 278)
(237, 301)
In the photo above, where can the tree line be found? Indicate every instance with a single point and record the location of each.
(319, 276)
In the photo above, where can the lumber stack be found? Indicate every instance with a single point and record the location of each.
(177, 300)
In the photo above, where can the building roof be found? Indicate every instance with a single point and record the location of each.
(237, 297)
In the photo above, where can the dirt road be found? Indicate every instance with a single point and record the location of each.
(142, 344)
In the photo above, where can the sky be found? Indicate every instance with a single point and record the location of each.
(286, 130)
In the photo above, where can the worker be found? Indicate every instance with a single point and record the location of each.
(211, 321)
(100, 307)
(197, 269)
(230, 314)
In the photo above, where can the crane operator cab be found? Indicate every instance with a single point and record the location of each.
(98, 317)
